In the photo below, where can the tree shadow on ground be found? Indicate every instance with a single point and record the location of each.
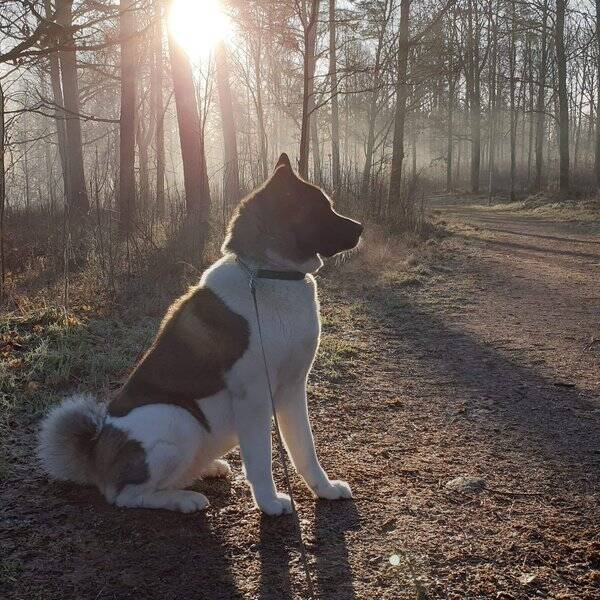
(529, 247)
(555, 420)
(569, 240)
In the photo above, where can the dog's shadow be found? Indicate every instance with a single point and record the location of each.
(327, 549)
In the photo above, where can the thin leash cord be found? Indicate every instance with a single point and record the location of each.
(303, 553)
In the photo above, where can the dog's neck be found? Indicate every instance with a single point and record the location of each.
(274, 262)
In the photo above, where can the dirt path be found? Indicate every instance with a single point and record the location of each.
(476, 357)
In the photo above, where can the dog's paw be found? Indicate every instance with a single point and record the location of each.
(336, 490)
(217, 468)
(276, 506)
(187, 501)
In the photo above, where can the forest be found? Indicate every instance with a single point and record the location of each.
(131, 119)
(459, 361)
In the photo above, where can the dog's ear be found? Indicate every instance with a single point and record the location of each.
(284, 161)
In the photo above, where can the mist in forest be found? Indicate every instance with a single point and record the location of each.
(146, 121)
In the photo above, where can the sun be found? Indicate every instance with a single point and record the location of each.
(198, 25)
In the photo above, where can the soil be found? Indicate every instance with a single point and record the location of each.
(477, 357)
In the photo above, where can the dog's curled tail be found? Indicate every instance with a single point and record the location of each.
(67, 438)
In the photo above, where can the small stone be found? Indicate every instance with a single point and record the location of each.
(466, 484)
(527, 578)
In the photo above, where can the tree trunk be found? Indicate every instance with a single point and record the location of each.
(451, 94)
(475, 94)
(372, 114)
(314, 142)
(492, 106)
(513, 115)
(191, 139)
(77, 199)
(2, 192)
(59, 113)
(563, 97)
(400, 114)
(597, 149)
(127, 120)
(335, 117)
(159, 111)
(541, 102)
(310, 23)
(231, 172)
(259, 110)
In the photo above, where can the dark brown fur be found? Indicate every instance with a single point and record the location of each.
(290, 217)
(198, 341)
(117, 460)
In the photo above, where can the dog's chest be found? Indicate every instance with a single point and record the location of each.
(289, 317)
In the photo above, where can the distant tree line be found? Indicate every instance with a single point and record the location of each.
(106, 122)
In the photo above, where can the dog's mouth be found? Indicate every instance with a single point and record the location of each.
(346, 238)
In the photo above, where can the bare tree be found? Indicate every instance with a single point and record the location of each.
(401, 98)
(191, 139)
(335, 117)
(128, 116)
(309, 18)
(231, 172)
(78, 199)
(541, 100)
(563, 98)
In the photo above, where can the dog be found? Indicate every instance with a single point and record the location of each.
(201, 388)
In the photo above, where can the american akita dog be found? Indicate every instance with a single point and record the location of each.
(201, 388)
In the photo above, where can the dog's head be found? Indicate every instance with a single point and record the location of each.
(289, 222)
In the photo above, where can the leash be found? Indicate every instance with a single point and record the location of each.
(253, 275)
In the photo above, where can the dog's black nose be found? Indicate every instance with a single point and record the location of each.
(359, 228)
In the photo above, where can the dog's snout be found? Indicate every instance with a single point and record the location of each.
(359, 228)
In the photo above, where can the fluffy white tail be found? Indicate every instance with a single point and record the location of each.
(67, 436)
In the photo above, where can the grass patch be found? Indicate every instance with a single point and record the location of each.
(337, 359)
(47, 351)
(401, 278)
(548, 207)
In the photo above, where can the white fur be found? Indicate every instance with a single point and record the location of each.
(178, 449)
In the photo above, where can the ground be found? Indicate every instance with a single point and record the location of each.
(476, 354)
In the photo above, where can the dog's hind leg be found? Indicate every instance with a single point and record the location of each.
(166, 463)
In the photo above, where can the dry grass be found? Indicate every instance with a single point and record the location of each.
(548, 207)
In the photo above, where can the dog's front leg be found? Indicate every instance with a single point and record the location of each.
(253, 415)
(292, 413)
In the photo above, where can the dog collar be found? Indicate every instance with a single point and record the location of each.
(269, 274)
